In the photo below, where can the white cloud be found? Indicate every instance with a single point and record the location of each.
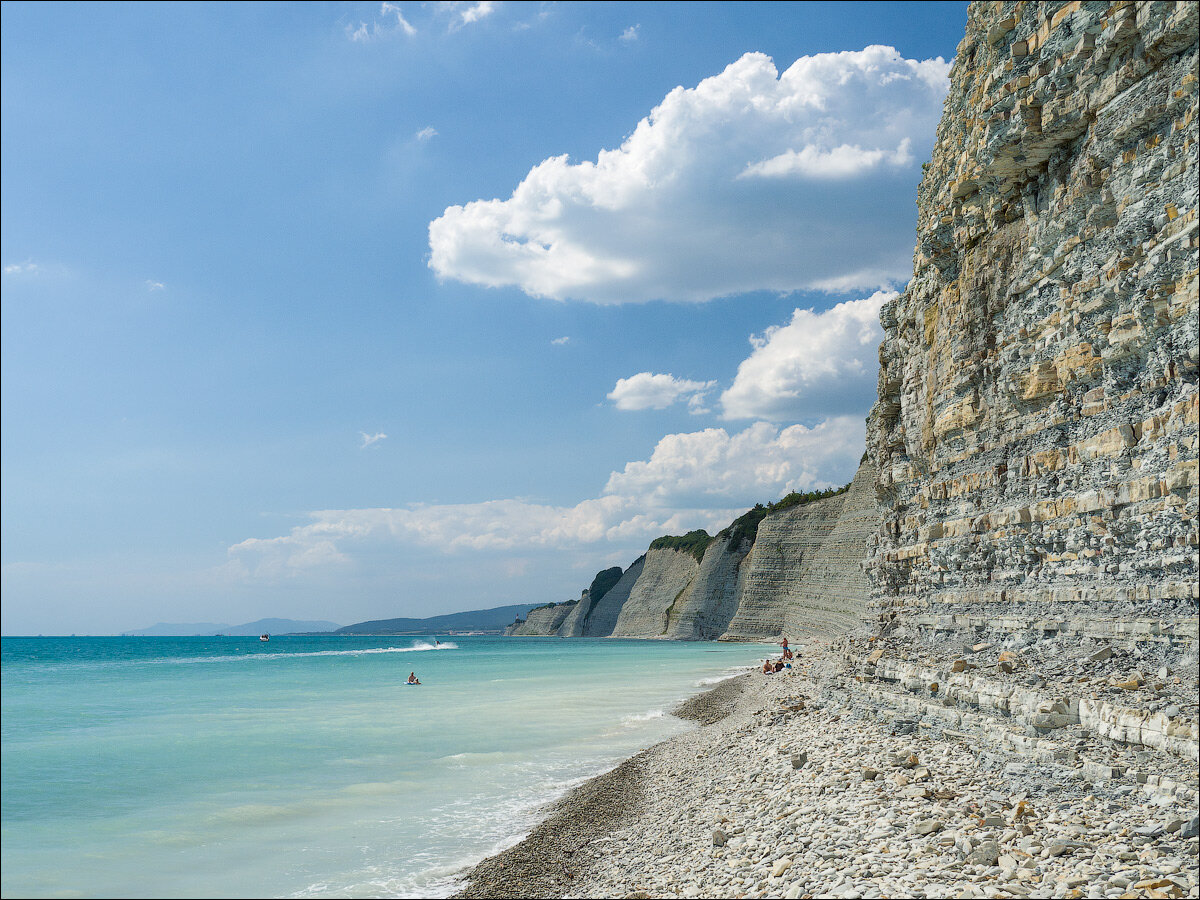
(25, 268)
(820, 363)
(845, 161)
(702, 479)
(369, 439)
(649, 391)
(467, 13)
(426, 133)
(152, 285)
(390, 21)
(561, 341)
(760, 462)
(630, 34)
(393, 9)
(751, 180)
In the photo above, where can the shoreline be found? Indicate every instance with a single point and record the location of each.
(548, 862)
(802, 785)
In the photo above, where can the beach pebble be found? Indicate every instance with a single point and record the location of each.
(950, 818)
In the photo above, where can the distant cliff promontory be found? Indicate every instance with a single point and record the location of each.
(790, 567)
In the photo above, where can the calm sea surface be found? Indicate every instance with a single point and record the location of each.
(228, 767)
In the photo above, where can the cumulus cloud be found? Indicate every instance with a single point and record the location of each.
(152, 285)
(646, 390)
(369, 439)
(760, 461)
(701, 479)
(426, 133)
(561, 341)
(630, 34)
(820, 363)
(751, 180)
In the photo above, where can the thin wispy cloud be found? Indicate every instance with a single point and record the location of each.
(803, 180)
(561, 341)
(152, 285)
(390, 21)
(369, 440)
(25, 268)
(426, 133)
(469, 13)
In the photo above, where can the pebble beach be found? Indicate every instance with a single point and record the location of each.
(787, 790)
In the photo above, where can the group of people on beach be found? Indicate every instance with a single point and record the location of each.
(770, 667)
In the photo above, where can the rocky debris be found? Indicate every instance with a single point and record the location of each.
(984, 822)
(714, 704)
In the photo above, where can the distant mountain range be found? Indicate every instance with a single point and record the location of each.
(473, 620)
(204, 629)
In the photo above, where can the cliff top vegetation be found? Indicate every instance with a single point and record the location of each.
(694, 542)
(745, 526)
(604, 582)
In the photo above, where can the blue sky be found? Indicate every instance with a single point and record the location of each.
(349, 311)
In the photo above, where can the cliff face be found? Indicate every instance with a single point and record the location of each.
(665, 575)
(602, 618)
(776, 567)
(832, 592)
(802, 572)
(576, 620)
(1036, 428)
(545, 620)
(704, 610)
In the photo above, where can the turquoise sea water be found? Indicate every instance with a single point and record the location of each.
(228, 767)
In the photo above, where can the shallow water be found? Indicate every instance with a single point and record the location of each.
(305, 766)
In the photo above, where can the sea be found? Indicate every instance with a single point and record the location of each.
(305, 766)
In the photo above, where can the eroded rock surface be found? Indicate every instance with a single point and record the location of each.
(1036, 428)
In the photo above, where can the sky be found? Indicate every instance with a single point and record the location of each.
(351, 311)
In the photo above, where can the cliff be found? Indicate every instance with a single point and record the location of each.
(605, 581)
(602, 618)
(790, 568)
(776, 567)
(1032, 456)
(710, 601)
(665, 575)
(542, 620)
(1036, 428)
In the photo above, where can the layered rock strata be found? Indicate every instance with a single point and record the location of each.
(831, 596)
(704, 610)
(776, 567)
(1036, 428)
(576, 620)
(801, 572)
(602, 618)
(665, 575)
(542, 621)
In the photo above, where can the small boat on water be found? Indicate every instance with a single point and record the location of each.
(264, 637)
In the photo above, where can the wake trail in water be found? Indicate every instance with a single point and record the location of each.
(418, 647)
